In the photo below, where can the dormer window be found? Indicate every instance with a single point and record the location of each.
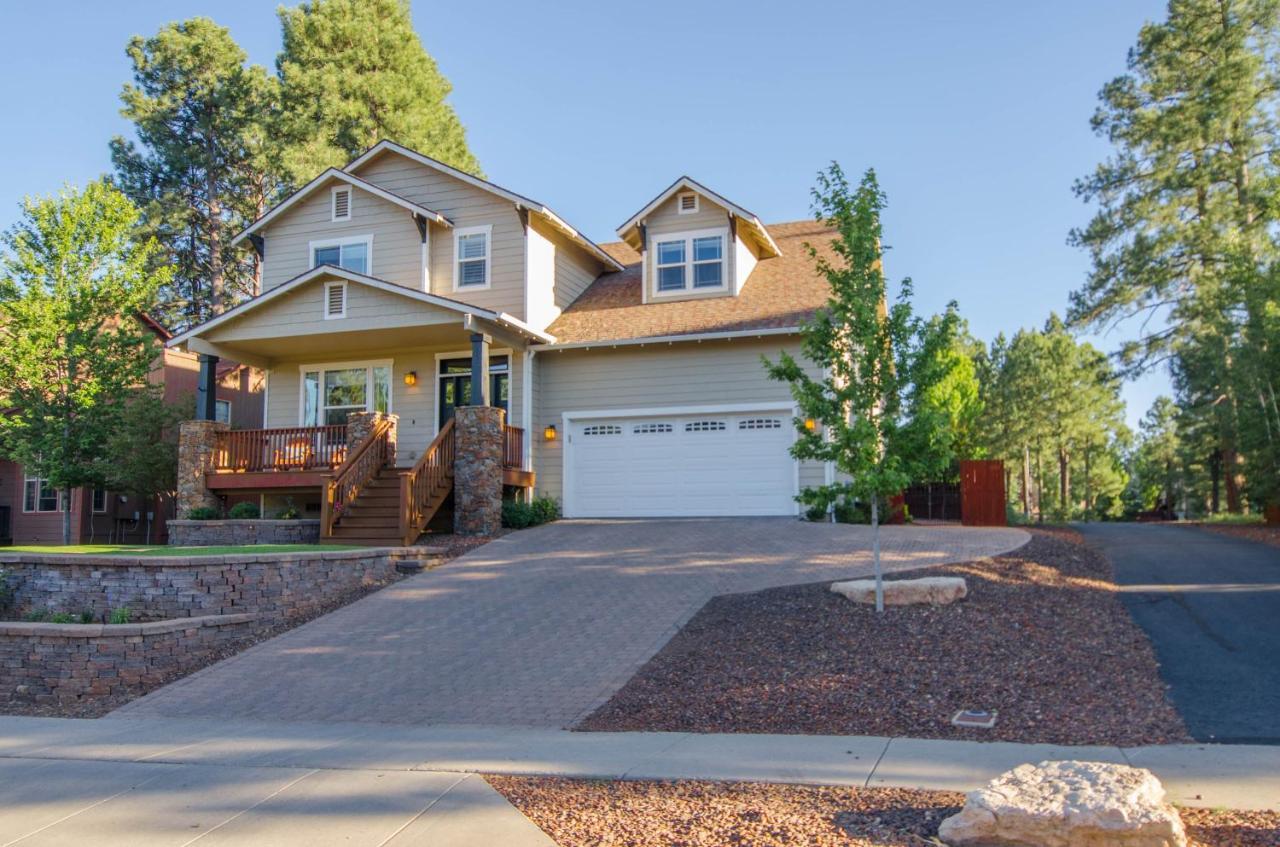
(689, 262)
(687, 204)
(341, 204)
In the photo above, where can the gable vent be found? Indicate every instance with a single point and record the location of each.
(342, 204)
(335, 300)
(687, 204)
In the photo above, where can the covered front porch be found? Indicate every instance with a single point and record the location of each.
(359, 404)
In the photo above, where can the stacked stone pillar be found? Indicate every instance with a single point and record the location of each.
(477, 470)
(197, 441)
(360, 424)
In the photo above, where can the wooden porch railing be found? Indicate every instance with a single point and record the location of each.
(284, 449)
(366, 459)
(513, 447)
(425, 486)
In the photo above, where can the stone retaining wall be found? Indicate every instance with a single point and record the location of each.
(185, 533)
(274, 586)
(64, 663)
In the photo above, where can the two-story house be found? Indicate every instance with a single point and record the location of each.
(630, 373)
(31, 510)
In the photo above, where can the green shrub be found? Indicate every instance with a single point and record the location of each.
(121, 615)
(86, 616)
(244, 511)
(289, 512)
(847, 511)
(202, 513)
(516, 514)
(62, 617)
(36, 616)
(815, 513)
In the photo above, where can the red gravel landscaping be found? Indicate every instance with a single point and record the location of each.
(587, 813)
(1042, 638)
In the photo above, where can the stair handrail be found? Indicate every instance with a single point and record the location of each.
(361, 465)
(418, 484)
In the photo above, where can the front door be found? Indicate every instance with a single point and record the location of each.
(455, 385)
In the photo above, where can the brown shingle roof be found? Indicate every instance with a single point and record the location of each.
(780, 292)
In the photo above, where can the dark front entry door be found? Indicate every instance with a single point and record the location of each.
(455, 385)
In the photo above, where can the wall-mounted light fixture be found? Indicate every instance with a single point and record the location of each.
(549, 434)
(411, 378)
(810, 424)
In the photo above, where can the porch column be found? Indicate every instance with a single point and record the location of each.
(477, 470)
(197, 441)
(480, 369)
(207, 388)
(361, 424)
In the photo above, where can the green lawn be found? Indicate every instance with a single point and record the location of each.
(157, 550)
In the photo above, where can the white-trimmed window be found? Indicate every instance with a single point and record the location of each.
(472, 257)
(331, 392)
(354, 253)
(99, 500)
(335, 300)
(39, 496)
(341, 203)
(222, 411)
(691, 261)
(686, 203)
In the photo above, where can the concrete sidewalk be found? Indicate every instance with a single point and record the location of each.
(1244, 777)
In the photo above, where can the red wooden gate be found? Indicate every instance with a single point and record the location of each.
(982, 495)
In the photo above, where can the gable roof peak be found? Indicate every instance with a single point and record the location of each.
(628, 231)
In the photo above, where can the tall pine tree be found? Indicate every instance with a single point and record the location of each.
(202, 165)
(354, 72)
(1187, 200)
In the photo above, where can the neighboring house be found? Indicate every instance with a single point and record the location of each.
(34, 510)
(630, 372)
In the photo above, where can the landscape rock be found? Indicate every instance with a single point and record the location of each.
(930, 590)
(1067, 804)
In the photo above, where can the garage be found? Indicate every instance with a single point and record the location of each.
(690, 464)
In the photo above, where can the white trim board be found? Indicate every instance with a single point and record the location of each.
(693, 337)
(367, 364)
(341, 241)
(686, 183)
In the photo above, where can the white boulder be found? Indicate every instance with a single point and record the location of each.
(1067, 804)
(931, 590)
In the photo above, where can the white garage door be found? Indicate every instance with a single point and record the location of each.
(681, 465)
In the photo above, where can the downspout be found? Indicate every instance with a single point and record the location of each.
(526, 415)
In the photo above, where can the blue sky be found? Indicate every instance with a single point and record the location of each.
(975, 116)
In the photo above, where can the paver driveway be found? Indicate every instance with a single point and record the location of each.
(541, 626)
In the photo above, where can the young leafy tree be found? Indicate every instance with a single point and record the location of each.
(72, 278)
(1156, 464)
(204, 164)
(863, 351)
(145, 419)
(354, 72)
(1186, 203)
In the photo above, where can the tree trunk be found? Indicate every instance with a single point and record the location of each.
(1064, 482)
(66, 516)
(1231, 476)
(217, 282)
(1088, 486)
(1026, 482)
(875, 546)
(1039, 488)
(1215, 474)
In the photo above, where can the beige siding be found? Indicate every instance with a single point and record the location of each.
(575, 269)
(300, 312)
(692, 374)
(466, 206)
(415, 406)
(397, 248)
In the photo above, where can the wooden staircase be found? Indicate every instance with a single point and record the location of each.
(373, 517)
(369, 502)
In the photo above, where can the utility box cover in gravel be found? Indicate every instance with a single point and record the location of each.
(929, 590)
(1067, 804)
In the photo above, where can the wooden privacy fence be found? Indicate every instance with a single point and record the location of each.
(982, 496)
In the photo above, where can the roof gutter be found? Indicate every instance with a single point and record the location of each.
(697, 337)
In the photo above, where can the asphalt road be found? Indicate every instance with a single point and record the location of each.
(1211, 606)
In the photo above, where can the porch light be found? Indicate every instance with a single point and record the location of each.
(810, 424)
(549, 433)
(411, 378)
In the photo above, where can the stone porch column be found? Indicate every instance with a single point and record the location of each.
(477, 470)
(196, 443)
(360, 424)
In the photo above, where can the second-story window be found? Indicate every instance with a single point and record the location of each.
(472, 257)
(349, 253)
(692, 261)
